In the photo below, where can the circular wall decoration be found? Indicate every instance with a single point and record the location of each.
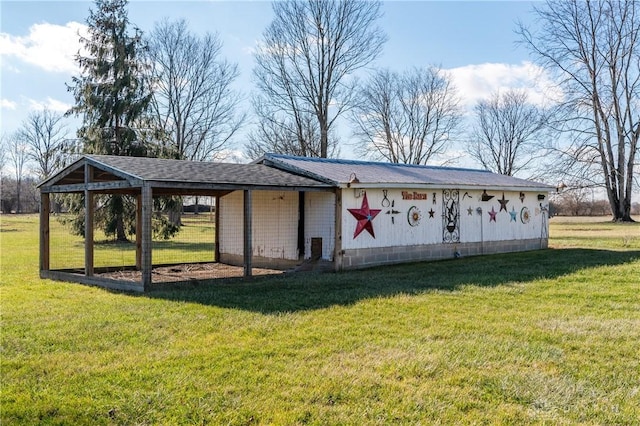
(525, 215)
(413, 216)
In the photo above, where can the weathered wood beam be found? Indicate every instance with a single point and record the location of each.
(247, 246)
(91, 186)
(147, 211)
(337, 249)
(45, 207)
(139, 231)
(88, 224)
(217, 229)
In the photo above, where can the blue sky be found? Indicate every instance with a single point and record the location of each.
(473, 40)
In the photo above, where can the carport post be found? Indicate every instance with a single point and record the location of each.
(44, 231)
(89, 209)
(248, 249)
(145, 228)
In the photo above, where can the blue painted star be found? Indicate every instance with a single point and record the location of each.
(513, 214)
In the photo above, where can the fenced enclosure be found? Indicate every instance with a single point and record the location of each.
(138, 201)
(189, 255)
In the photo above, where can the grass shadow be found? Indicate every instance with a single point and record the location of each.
(309, 291)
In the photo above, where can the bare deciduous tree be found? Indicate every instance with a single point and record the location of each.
(406, 118)
(4, 140)
(507, 135)
(593, 49)
(306, 57)
(44, 133)
(298, 135)
(18, 152)
(193, 101)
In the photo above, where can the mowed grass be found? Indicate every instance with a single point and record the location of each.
(544, 337)
(194, 243)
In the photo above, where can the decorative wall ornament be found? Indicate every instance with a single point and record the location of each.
(492, 214)
(450, 216)
(514, 214)
(522, 197)
(386, 203)
(385, 199)
(485, 196)
(414, 215)
(364, 215)
(392, 213)
(431, 213)
(470, 211)
(525, 216)
(503, 203)
(434, 198)
(466, 194)
(544, 230)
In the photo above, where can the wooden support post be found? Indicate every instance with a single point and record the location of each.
(44, 232)
(139, 232)
(217, 229)
(248, 248)
(337, 249)
(147, 210)
(88, 223)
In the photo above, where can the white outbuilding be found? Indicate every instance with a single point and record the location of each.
(285, 212)
(383, 213)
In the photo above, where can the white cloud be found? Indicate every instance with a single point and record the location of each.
(7, 104)
(478, 82)
(48, 46)
(50, 104)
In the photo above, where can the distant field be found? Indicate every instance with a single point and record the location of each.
(543, 337)
(593, 232)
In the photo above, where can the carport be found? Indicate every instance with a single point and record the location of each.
(144, 179)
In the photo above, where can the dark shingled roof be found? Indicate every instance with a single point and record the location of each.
(164, 170)
(182, 173)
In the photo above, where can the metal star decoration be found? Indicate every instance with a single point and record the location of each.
(503, 203)
(513, 214)
(431, 213)
(470, 211)
(492, 214)
(364, 215)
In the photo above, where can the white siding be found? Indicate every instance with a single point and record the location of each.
(319, 210)
(473, 227)
(479, 227)
(275, 224)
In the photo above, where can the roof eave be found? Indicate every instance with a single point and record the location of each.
(270, 161)
(400, 185)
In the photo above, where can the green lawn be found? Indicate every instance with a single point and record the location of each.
(545, 337)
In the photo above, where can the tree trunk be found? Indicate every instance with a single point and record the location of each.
(622, 211)
(175, 215)
(324, 139)
(120, 234)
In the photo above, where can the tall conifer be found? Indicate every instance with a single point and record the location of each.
(112, 97)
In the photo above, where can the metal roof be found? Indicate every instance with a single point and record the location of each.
(375, 174)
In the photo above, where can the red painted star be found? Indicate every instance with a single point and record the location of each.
(364, 215)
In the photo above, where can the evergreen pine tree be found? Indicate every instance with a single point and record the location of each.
(112, 96)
